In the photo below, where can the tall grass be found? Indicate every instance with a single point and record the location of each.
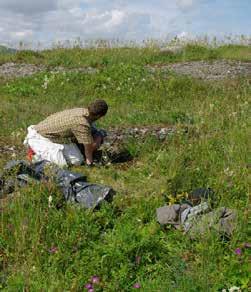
(43, 248)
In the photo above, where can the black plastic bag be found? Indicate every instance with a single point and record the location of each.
(72, 185)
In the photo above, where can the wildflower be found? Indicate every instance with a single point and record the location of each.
(45, 85)
(238, 251)
(136, 286)
(228, 172)
(88, 286)
(49, 201)
(234, 288)
(53, 249)
(91, 290)
(95, 279)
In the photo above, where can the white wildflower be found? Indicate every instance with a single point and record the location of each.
(46, 81)
(234, 288)
(228, 172)
(45, 85)
(49, 201)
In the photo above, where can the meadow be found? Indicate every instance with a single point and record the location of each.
(43, 248)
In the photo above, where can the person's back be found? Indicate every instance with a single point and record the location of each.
(54, 138)
(67, 126)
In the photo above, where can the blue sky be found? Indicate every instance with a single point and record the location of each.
(49, 21)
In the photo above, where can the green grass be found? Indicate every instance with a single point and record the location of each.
(122, 242)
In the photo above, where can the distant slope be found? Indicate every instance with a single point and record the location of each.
(6, 50)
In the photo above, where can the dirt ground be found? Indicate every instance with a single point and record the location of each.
(14, 70)
(115, 138)
(207, 70)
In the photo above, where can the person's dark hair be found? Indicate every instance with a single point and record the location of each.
(98, 108)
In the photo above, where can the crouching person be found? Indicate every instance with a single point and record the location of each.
(55, 139)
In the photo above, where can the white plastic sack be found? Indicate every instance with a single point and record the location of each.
(58, 154)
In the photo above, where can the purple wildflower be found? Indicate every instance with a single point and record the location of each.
(136, 286)
(95, 279)
(238, 251)
(247, 245)
(91, 290)
(53, 249)
(88, 286)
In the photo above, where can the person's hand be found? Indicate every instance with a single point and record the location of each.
(98, 140)
(89, 162)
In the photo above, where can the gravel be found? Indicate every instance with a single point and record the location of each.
(214, 70)
(14, 70)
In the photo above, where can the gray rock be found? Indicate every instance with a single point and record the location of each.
(171, 214)
(172, 50)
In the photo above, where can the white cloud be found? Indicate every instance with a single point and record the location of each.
(184, 4)
(49, 20)
(28, 7)
(22, 34)
(116, 19)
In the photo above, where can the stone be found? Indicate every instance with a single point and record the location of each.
(172, 50)
(168, 214)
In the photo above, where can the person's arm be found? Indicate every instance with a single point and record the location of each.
(89, 153)
(84, 136)
(90, 148)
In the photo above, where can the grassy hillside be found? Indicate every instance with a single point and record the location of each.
(43, 248)
(6, 50)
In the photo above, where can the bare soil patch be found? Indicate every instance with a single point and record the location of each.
(207, 70)
(115, 138)
(15, 70)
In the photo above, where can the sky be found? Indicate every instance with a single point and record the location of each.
(48, 21)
